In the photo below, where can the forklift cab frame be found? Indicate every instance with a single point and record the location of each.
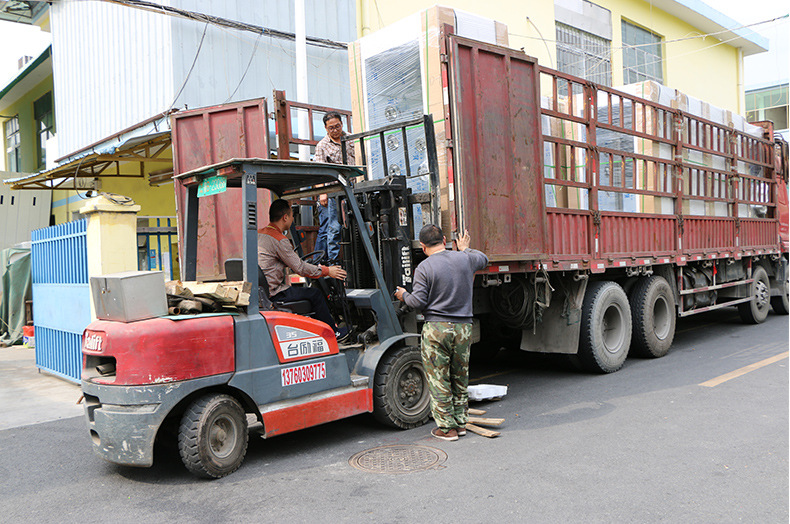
(286, 179)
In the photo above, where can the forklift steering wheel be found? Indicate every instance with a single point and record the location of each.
(317, 260)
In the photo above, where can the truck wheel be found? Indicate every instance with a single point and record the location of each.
(780, 303)
(606, 328)
(653, 315)
(756, 310)
(400, 391)
(212, 437)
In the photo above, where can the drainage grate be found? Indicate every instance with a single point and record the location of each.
(398, 459)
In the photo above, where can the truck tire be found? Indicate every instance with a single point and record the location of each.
(653, 317)
(212, 437)
(756, 310)
(606, 328)
(400, 389)
(780, 303)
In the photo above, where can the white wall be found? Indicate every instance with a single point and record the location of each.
(115, 66)
(112, 68)
(21, 212)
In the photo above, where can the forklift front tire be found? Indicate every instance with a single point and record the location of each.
(400, 392)
(212, 437)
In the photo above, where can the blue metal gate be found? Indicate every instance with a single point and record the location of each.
(61, 297)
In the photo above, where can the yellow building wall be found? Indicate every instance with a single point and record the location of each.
(703, 68)
(153, 201)
(23, 108)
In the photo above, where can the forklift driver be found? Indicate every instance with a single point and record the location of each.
(275, 252)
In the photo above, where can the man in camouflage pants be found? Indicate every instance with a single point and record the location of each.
(443, 291)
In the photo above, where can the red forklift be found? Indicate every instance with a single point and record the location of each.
(200, 380)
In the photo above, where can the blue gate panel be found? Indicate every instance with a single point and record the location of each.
(61, 296)
(59, 353)
(65, 307)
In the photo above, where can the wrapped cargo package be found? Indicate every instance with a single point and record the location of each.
(715, 184)
(395, 78)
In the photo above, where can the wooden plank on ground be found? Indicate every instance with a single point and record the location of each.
(487, 421)
(473, 411)
(482, 431)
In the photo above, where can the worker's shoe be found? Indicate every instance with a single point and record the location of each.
(461, 430)
(451, 434)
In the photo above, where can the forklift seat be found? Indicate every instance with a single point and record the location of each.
(234, 271)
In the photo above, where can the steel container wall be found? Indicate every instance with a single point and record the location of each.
(568, 233)
(207, 136)
(708, 234)
(638, 235)
(497, 137)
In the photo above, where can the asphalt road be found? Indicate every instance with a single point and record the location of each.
(646, 444)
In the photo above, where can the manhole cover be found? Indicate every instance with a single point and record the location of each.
(398, 459)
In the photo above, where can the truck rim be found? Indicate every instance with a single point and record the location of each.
(613, 331)
(411, 385)
(762, 294)
(661, 319)
(222, 436)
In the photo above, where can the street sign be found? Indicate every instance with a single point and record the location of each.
(212, 186)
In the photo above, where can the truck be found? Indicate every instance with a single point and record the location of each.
(595, 260)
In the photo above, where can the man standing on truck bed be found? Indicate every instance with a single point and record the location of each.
(330, 150)
(275, 252)
(443, 291)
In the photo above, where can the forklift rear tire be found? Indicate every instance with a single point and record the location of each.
(400, 391)
(212, 437)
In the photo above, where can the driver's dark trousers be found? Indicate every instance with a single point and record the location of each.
(316, 298)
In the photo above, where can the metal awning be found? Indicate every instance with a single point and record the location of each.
(21, 11)
(134, 158)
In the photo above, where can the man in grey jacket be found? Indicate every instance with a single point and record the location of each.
(443, 291)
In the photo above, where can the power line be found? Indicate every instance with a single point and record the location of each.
(703, 36)
(226, 22)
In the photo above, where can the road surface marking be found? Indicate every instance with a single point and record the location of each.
(747, 369)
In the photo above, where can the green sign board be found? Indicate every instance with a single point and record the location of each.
(212, 185)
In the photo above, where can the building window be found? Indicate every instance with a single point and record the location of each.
(13, 143)
(583, 54)
(641, 55)
(768, 104)
(45, 125)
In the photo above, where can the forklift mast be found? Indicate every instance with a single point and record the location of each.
(388, 202)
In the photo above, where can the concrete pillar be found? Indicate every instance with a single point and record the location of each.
(112, 237)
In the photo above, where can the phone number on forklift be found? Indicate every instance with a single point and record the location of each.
(301, 374)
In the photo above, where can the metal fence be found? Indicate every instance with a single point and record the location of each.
(61, 297)
(157, 244)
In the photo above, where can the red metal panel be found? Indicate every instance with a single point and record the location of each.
(758, 233)
(207, 136)
(497, 143)
(161, 350)
(708, 233)
(637, 235)
(313, 413)
(319, 338)
(568, 233)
